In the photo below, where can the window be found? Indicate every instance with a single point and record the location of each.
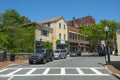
(64, 37)
(44, 33)
(78, 37)
(59, 25)
(47, 24)
(59, 35)
(64, 27)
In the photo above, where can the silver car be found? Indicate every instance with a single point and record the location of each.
(60, 54)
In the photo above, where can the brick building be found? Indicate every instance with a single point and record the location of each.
(76, 40)
(84, 21)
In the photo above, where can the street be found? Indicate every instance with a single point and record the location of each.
(71, 68)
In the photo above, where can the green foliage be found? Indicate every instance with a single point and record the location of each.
(13, 36)
(96, 32)
(47, 45)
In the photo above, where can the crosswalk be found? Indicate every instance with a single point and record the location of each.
(54, 71)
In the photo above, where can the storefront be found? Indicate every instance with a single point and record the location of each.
(62, 44)
(73, 47)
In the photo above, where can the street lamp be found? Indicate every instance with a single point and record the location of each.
(106, 29)
(41, 44)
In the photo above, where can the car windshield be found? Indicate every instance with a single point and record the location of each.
(57, 51)
(40, 51)
(73, 52)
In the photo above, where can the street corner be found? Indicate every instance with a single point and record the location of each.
(114, 71)
(12, 63)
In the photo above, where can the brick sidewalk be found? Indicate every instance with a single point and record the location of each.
(10, 63)
(114, 67)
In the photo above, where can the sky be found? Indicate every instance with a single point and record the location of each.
(37, 10)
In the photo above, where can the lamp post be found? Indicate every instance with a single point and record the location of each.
(41, 44)
(106, 29)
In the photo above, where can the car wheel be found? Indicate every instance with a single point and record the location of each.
(44, 61)
(52, 59)
(30, 62)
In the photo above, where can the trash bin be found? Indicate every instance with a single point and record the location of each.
(12, 57)
(3, 55)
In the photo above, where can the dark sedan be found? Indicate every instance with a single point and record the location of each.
(75, 53)
(41, 56)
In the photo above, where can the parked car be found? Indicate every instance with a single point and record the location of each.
(60, 54)
(75, 53)
(41, 56)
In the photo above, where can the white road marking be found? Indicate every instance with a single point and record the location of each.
(47, 70)
(80, 71)
(4, 70)
(63, 71)
(96, 71)
(11, 78)
(14, 72)
(60, 67)
(31, 71)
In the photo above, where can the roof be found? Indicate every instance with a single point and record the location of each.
(51, 20)
(81, 21)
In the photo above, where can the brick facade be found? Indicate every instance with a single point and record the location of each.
(85, 21)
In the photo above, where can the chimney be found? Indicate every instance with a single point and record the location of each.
(73, 18)
(73, 22)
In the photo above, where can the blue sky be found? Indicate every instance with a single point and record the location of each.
(37, 10)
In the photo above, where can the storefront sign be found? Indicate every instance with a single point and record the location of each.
(62, 42)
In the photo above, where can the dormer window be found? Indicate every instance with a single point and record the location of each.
(47, 24)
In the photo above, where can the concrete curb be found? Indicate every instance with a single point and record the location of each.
(114, 74)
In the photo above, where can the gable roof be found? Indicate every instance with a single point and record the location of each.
(51, 20)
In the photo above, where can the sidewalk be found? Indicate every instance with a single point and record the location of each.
(114, 67)
(11, 63)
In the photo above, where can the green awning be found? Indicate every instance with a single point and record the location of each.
(62, 42)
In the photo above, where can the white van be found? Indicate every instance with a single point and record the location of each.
(60, 54)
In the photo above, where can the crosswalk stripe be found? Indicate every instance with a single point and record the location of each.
(46, 71)
(80, 71)
(63, 71)
(14, 72)
(96, 71)
(31, 71)
(4, 70)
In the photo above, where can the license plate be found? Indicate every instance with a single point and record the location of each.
(34, 60)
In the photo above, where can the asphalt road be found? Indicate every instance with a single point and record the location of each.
(72, 68)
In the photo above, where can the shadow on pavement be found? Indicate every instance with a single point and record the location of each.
(116, 64)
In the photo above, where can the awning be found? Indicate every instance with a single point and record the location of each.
(62, 42)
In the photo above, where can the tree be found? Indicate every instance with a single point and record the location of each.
(47, 45)
(14, 36)
(96, 32)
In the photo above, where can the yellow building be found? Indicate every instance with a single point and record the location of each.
(43, 33)
(60, 32)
